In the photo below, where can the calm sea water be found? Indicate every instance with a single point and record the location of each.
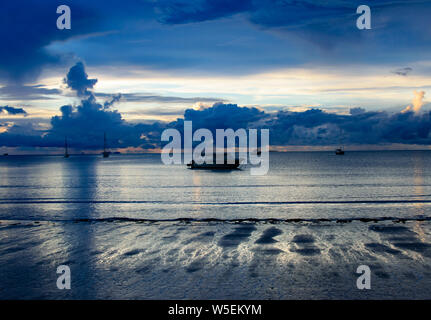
(130, 227)
(308, 185)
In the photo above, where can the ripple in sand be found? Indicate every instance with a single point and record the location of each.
(239, 235)
(268, 236)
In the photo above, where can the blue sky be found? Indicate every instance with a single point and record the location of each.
(147, 62)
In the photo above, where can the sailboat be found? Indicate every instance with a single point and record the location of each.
(340, 151)
(66, 152)
(105, 152)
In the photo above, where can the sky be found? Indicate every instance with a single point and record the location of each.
(134, 68)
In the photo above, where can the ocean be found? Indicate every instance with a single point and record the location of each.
(130, 227)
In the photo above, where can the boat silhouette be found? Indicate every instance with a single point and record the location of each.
(105, 152)
(66, 152)
(339, 151)
(226, 165)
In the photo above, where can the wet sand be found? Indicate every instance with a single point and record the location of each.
(215, 260)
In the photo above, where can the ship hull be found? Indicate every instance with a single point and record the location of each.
(214, 166)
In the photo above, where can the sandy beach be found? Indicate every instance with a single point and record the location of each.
(132, 260)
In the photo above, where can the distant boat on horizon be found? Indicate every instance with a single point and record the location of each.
(5, 154)
(66, 152)
(339, 151)
(105, 152)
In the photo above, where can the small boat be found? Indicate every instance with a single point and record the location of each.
(339, 152)
(5, 154)
(259, 151)
(216, 166)
(105, 153)
(66, 152)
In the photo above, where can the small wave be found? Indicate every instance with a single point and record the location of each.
(233, 220)
(295, 185)
(55, 201)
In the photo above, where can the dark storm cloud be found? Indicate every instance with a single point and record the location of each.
(77, 80)
(85, 124)
(222, 115)
(20, 140)
(319, 21)
(27, 27)
(324, 23)
(32, 42)
(12, 110)
(316, 127)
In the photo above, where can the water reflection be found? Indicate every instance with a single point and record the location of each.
(418, 172)
(79, 180)
(197, 192)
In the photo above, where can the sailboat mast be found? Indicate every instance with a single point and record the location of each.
(104, 142)
(66, 151)
(340, 142)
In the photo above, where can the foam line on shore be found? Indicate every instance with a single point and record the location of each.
(236, 220)
(47, 201)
